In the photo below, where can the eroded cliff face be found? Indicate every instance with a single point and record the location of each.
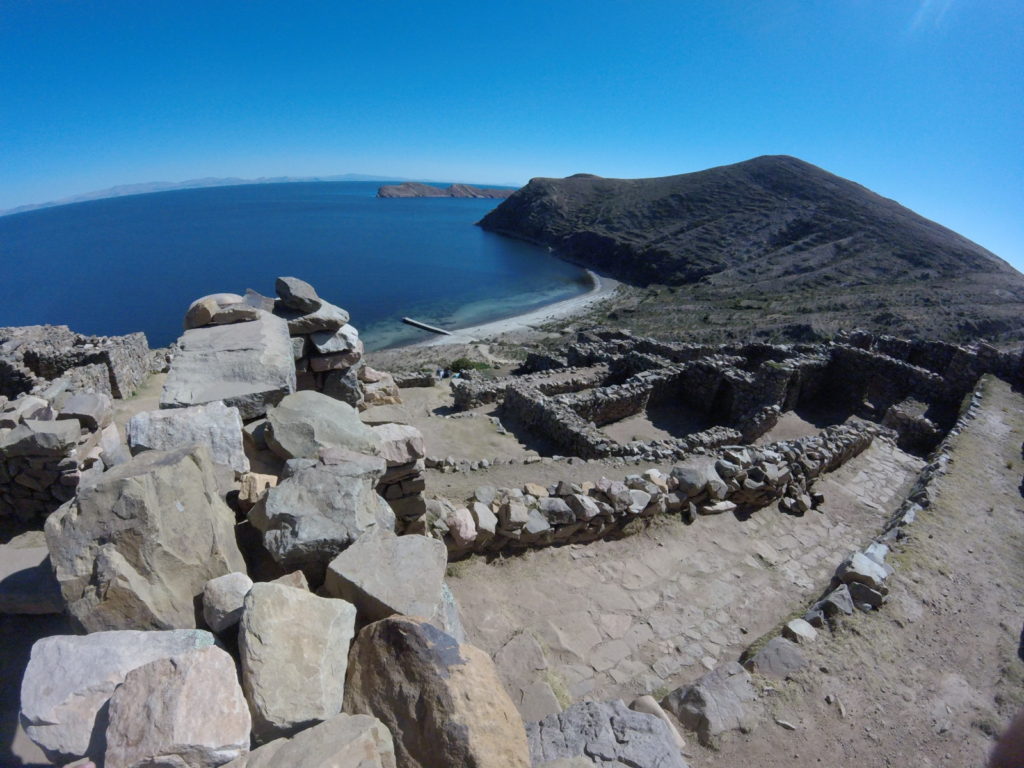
(770, 227)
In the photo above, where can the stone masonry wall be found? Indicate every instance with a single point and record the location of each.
(734, 478)
(910, 386)
(50, 352)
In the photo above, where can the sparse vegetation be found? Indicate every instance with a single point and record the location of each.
(465, 364)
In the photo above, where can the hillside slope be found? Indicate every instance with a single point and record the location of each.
(775, 228)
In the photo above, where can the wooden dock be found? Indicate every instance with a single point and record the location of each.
(425, 327)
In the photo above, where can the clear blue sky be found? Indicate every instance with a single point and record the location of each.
(921, 100)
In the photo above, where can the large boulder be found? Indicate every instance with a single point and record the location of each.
(606, 732)
(202, 310)
(294, 651)
(359, 741)
(297, 294)
(345, 342)
(186, 710)
(306, 423)
(326, 317)
(400, 443)
(313, 515)
(216, 426)
(722, 701)
(93, 409)
(134, 550)
(247, 365)
(442, 702)
(383, 574)
(696, 475)
(69, 680)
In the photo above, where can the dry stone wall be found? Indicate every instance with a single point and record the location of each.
(31, 356)
(732, 479)
(56, 428)
(910, 386)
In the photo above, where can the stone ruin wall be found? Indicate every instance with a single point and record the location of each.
(55, 411)
(910, 386)
(32, 356)
(731, 479)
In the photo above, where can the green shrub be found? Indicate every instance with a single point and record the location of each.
(465, 364)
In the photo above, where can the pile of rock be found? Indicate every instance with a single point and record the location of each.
(238, 354)
(738, 477)
(147, 558)
(325, 349)
(49, 444)
(403, 484)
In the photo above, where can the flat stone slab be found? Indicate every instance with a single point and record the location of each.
(383, 574)
(216, 426)
(723, 700)
(607, 732)
(248, 365)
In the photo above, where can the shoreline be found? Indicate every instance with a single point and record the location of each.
(601, 288)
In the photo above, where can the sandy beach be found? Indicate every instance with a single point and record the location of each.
(602, 288)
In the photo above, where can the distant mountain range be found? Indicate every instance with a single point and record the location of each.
(124, 190)
(770, 243)
(416, 189)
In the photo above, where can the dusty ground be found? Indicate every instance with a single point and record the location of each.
(649, 613)
(468, 435)
(931, 677)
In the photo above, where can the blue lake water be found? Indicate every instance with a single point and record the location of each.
(135, 263)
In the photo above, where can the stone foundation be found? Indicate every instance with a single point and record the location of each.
(734, 479)
(32, 355)
(911, 386)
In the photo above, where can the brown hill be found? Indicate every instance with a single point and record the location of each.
(778, 236)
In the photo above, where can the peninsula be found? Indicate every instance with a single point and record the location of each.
(772, 246)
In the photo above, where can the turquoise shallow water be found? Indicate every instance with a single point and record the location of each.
(135, 263)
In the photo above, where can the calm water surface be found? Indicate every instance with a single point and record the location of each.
(135, 263)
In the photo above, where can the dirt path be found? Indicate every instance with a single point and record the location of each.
(931, 677)
(620, 618)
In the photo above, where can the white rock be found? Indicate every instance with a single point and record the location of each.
(400, 443)
(214, 425)
(799, 631)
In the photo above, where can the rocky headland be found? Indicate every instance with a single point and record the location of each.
(771, 246)
(417, 189)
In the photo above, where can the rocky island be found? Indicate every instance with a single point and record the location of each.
(416, 189)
